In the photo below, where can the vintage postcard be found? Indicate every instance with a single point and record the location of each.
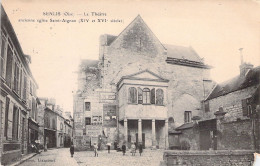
(87, 82)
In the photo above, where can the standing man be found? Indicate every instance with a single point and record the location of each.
(108, 147)
(140, 149)
(95, 149)
(123, 148)
(71, 150)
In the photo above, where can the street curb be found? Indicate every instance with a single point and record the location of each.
(23, 160)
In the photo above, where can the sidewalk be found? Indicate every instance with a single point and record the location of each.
(23, 159)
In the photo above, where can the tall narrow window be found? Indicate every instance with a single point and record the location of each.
(9, 66)
(30, 86)
(15, 123)
(159, 97)
(146, 96)
(2, 58)
(153, 96)
(21, 83)
(16, 78)
(53, 123)
(87, 106)
(187, 116)
(6, 116)
(140, 96)
(249, 110)
(132, 95)
(206, 104)
(24, 87)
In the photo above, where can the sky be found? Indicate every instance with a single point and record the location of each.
(215, 29)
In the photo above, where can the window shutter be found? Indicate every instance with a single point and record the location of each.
(153, 96)
(140, 96)
(244, 107)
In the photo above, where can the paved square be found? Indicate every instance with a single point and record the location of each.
(148, 158)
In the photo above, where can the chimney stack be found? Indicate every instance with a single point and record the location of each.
(244, 67)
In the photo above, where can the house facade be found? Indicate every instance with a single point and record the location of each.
(19, 126)
(55, 126)
(230, 116)
(148, 87)
(232, 105)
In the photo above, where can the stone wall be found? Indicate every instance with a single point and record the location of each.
(231, 103)
(189, 138)
(235, 135)
(206, 158)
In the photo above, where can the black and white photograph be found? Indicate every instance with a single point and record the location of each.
(130, 83)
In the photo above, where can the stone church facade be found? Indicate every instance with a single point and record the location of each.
(152, 87)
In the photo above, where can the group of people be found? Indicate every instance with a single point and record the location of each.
(95, 147)
(133, 149)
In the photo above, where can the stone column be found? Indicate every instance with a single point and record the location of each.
(153, 133)
(125, 131)
(139, 130)
(166, 134)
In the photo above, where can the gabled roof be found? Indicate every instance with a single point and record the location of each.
(138, 74)
(144, 75)
(237, 83)
(137, 18)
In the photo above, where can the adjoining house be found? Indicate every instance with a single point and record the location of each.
(137, 90)
(55, 128)
(230, 117)
(18, 100)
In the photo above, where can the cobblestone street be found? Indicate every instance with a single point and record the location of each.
(148, 158)
(59, 157)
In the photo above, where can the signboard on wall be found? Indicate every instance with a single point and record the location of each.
(93, 130)
(109, 115)
(106, 97)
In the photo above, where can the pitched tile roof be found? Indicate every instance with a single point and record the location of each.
(181, 52)
(185, 126)
(237, 83)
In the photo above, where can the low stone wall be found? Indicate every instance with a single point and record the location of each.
(208, 158)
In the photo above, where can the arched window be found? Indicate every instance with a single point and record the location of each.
(146, 96)
(140, 96)
(159, 97)
(153, 96)
(132, 95)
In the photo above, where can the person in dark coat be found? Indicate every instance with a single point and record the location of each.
(140, 149)
(72, 150)
(123, 149)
